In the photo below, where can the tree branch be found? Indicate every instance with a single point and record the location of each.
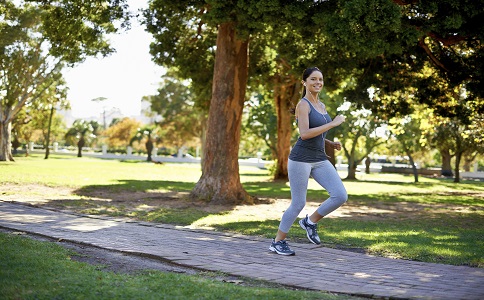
(448, 41)
(432, 57)
(404, 2)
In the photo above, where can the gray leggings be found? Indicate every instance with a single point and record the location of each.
(325, 174)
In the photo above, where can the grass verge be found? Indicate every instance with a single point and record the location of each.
(32, 269)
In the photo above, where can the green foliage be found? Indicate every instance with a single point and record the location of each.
(260, 124)
(184, 43)
(433, 46)
(366, 28)
(37, 38)
(179, 121)
(142, 133)
(252, 16)
(76, 29)
(120, 133)
(359, 134)
(415, 56)
(26, 70)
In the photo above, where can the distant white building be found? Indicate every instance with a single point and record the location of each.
(107, 116)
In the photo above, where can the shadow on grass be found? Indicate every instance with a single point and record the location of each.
(268, 189)
(436, 182)
(146, 200)
(258, 189)
(456, 240)
(281, 190)
(152, 186)
(440, 238)
(155, 192)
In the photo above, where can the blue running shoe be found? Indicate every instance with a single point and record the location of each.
(281, 248)
(311, 230)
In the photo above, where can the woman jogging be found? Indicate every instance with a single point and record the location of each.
(308, 159)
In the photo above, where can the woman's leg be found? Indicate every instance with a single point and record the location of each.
(326, 175)
(298, 180)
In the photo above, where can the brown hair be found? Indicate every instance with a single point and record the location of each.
(305, 76)
(308, 73)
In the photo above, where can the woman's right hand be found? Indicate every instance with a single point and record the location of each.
(338, 120)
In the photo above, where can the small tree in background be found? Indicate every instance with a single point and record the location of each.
(180, 122)
(81, 133)
(145, 133)
(359, 135)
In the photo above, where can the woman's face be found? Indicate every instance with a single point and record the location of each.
(314, 83)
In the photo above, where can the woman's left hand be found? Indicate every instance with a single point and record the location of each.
(337, 145)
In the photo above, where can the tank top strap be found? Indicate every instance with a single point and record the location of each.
(310, 104)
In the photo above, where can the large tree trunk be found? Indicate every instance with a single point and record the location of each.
(446, 166)
(6, 141)
(220, 180)
(203, 138)
(285, 97)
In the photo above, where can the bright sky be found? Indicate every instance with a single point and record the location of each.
(123, 77)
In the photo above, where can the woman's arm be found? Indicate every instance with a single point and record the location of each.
(302, 114)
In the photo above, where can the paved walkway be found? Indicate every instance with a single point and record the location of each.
(313, 267)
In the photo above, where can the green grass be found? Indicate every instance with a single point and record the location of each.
(445, 225)
(82, 172)
(32, 269)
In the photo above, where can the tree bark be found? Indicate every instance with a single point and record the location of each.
(220, 180)
(80, 144)
(47, 140)
(412, 163)
(367, 165)
(285, 97)
(468, 159)
(149, 148)
(458, 156)
(6, 141)
(446, 166)
(351, 156)
(351, 170)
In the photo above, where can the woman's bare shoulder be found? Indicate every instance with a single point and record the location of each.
(303, 106)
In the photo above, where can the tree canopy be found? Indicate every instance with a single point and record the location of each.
(37, 38)
(404, 52)
(391, 57)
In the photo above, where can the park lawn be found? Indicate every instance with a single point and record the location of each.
(435, 220)
(31, 269)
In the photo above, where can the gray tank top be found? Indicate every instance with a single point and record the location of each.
(311, 150)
